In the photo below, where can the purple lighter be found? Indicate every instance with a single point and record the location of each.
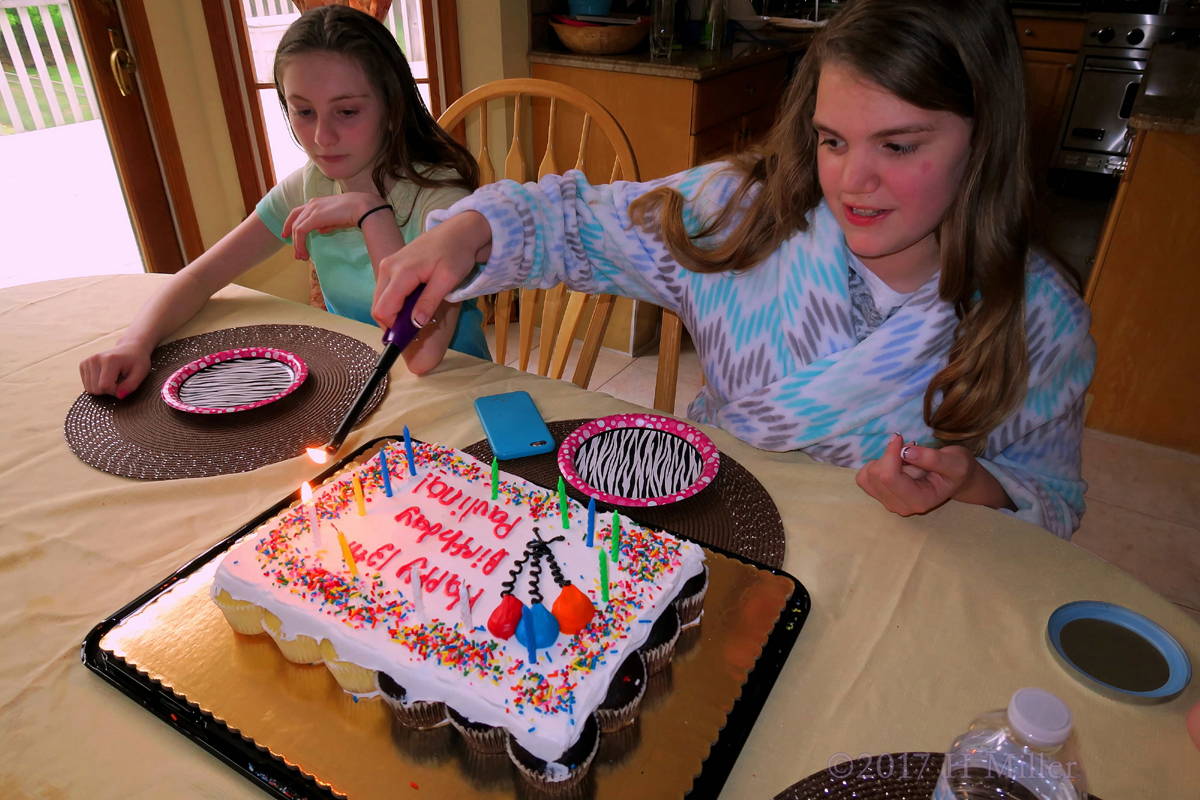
(398, 337)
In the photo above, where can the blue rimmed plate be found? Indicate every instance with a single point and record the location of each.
(1118, 652)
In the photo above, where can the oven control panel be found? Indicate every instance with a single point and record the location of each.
(1142, 31)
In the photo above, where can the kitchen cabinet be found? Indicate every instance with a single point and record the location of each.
(1144, 292)
(677, 114)
(1049, 48)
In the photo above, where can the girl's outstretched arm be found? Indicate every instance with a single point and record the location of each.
(559, 230)
(119, 370)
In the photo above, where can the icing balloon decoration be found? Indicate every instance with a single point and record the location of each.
(573, 610)
(543, 625)
(534, 626)
(503, 621)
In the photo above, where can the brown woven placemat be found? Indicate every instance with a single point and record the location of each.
(734, 513)
(142, 437)
(894, 776)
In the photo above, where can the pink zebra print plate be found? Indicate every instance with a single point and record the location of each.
(234, 380)
(638, 460)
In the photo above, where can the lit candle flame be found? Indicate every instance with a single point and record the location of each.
(305, 492)
(318, 455)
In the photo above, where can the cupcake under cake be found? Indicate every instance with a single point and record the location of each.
(459, 605)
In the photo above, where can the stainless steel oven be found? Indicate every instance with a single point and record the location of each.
(1094, 135)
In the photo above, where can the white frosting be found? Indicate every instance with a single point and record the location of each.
(466, 538)
(555, 772)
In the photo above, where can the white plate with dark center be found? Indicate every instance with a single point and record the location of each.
(638, 460)
(234, 380)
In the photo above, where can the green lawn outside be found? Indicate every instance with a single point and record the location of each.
(58, 91)
(60, 97)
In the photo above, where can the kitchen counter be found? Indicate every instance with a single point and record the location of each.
(1047, 13)
(692, 63)
(1169, 97)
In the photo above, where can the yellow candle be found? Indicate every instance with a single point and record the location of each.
(358, 496)
(347, 555)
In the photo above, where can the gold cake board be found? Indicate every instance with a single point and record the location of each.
(303, 718)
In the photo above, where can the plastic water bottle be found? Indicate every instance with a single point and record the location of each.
(1025, 751)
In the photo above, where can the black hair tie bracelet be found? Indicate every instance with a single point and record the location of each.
(388, 206)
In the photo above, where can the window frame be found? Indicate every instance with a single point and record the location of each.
(229, 39)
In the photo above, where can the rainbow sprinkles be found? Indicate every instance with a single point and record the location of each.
(489, 606)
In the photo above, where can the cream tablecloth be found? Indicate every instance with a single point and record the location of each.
(917, 624)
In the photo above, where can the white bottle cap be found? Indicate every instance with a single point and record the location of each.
(1039, 717)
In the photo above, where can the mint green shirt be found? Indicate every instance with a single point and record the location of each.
(341, 259)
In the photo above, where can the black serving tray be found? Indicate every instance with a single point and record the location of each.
(279, 780)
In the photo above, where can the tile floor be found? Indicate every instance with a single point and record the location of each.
(1143, 501)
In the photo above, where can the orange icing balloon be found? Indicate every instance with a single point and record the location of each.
(573, 610)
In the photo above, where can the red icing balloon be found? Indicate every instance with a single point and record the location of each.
(503, 621)
(573, 610)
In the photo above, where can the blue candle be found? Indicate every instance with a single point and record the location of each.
(591, 522)
(386, 470)
(530, 635)
(412, 464)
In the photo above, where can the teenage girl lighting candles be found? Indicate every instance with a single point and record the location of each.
(378, 164)
(861, 287)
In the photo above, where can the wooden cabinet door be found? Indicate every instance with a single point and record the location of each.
(1050, 34)
(654, 112)
(1047, 81)
(1144, 292)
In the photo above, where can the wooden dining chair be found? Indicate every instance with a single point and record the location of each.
(557, 338)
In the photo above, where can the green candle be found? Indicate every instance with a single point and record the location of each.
(616, 539)
(495, 479)
(604, 575)
(562, 503)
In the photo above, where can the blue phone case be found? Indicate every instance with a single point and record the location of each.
(513, 426)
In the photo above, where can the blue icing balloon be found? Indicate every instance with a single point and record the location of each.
(545, 627)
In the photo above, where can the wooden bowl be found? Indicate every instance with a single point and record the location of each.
(602, 40)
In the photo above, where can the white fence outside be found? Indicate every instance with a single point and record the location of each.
(268, 19)
(46, 81)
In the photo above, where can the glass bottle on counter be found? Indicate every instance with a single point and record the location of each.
(662, 28)
(1025, 752)
(716, 16)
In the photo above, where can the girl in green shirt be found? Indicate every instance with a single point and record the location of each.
(378, 164)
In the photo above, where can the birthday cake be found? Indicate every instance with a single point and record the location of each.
(467, 596)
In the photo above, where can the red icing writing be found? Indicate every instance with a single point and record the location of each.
(500, 517)
(438, 489)
(495, 561)
(407, 569)
(430, 582)
(380, 553)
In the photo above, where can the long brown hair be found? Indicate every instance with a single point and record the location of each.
(946, 55)
(411, 137)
